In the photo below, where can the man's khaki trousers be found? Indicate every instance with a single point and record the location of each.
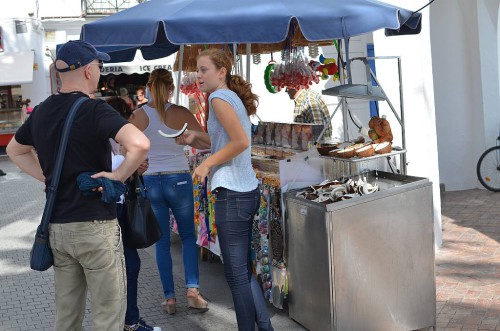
(89, 255)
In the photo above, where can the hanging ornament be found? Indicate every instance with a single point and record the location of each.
(284, 55)
(313, 50)
(294, 73)
(256, 58)
(326, 67)
(267, 77)
(189, 84)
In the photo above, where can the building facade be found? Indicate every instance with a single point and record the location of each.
(450, 76)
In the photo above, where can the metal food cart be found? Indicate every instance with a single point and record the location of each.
(366, 263)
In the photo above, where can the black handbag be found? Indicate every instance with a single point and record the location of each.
(41, 257)
(140, 228)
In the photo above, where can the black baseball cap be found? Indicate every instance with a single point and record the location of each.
(78, 53)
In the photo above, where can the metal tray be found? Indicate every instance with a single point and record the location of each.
(362, 159)
(389, 184)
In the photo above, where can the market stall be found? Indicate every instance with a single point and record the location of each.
(252, 26)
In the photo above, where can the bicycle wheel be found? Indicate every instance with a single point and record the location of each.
(488, 169)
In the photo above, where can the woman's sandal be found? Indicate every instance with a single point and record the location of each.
(195, 300)
(169, 306)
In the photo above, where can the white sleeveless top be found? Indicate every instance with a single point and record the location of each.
(164, 154)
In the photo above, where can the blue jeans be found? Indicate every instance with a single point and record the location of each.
(174, 192)
(234, 212)
(133, 266)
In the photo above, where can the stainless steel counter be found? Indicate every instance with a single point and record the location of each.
(366, 263)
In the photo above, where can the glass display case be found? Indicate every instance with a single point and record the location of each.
(10, 108)
(10, 113)
(10, 120)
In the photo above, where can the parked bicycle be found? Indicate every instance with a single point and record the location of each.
(488, 168)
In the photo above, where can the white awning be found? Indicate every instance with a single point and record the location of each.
(16, 68)
(129, 69)
(138, 66)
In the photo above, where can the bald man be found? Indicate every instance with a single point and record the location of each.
(83, 232)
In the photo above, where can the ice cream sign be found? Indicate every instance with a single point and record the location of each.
(132, 68)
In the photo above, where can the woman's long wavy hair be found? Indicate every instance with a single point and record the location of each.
(234, 82)
(161, 85)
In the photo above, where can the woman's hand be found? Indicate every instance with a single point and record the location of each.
(201, 172)
(187, 138)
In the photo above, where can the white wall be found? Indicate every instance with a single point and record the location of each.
(488, 13)
(455, 57)
(46, 8)
(418, 91)
(60, 8)
(58, 31)
(32, 39)
(466, 79)
(17, 8)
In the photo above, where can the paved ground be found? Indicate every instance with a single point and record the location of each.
(468, 264)
(467, 269)
(26, 296)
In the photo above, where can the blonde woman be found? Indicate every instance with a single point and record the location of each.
(169, 185)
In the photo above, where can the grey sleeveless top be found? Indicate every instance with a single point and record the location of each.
(236, 174)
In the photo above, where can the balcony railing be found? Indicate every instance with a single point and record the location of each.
(106, 7)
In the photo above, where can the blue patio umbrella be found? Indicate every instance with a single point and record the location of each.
(157, 27)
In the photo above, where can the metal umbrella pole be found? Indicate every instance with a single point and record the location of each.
(403, 129)
(179, 74)
(249, 55)
(235, 58)
(343, 101)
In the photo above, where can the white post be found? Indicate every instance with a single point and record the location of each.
(249, 55)
(179, 74)
(342, 99)
(235, 58)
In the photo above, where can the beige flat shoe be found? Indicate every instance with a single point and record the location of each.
(169, 306)
(195, 300)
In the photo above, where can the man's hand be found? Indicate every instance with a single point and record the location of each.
(143, 167)
(109, 175)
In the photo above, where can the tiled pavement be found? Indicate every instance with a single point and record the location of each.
(467, 269)
(468, 263)
(26, 297)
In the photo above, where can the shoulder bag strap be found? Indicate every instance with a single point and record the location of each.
(52, 188)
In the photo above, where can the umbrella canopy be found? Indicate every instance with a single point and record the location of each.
(158, 26)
